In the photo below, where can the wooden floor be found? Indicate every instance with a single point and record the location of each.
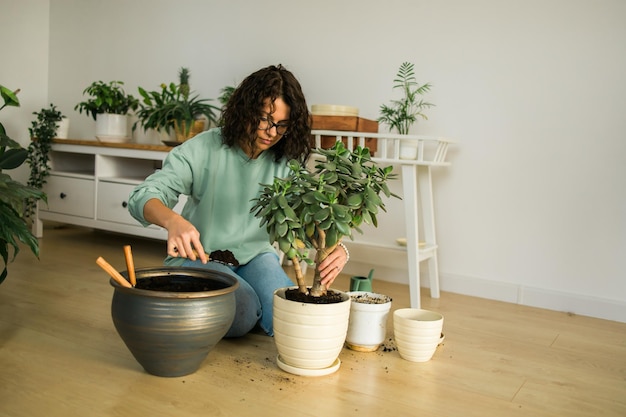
(60, 355)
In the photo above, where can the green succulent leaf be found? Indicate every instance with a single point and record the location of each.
(282, 229)
(322, 214)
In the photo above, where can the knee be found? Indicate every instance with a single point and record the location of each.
(247, 312)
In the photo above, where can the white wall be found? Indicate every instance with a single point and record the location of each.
(24, 65)
(532, 208)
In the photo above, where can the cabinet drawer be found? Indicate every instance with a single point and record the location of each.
(71, 196)
(113, 203)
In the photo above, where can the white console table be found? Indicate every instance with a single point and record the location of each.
(89, 184)
(418, 193)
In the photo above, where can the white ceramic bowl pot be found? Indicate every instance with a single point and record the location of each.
(417, 333)
(367, 326)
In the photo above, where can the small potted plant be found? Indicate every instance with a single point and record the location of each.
(109, 105)
(315, 210)
(14, 194)
(175, 108)
(43, 129)
(401, 114)
(225, 94)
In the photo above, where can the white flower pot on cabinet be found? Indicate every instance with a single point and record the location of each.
(63, 128)
(112, 127)
(408, 149)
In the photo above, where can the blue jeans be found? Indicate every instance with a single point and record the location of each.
(258, 279)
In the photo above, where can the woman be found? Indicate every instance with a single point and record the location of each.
(264, 124)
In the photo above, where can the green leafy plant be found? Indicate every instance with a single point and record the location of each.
(403, 113)
(316, 209)
(107, 98)
(43, 129)
(225, 94)
(13, 194)
(174, 107)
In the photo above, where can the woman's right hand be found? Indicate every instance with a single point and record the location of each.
(182, 236)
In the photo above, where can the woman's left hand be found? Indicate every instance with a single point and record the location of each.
(331, 267)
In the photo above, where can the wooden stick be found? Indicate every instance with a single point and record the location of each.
(113, 272)
(130, 265)
(195, 252)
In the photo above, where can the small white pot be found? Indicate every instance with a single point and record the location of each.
(63, 128)
(408, 149)
(112, 127)
(309, 337)
(367, 327)
(417, 333)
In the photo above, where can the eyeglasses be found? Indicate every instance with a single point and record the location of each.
(266, 124)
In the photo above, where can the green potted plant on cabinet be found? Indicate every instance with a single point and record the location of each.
(401, 114)
(316, 210)
(225, 94)
(175, 108)
(109, 105)
(13, 194)
(43, 129)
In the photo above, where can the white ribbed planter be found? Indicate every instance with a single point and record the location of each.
(417, 333)
(309, 337)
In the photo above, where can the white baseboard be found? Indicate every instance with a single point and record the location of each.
(387, 269)
(535, 297)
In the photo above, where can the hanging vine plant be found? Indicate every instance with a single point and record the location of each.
(42, 131)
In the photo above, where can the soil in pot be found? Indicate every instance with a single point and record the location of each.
(366, 298)
(179, 283)
(331, 297)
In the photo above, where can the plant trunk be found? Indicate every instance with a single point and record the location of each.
(317, 289)
(299, 275)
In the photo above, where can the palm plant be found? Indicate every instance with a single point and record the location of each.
(315, 210)
(174, 107)
(13, 194)
(401, 114)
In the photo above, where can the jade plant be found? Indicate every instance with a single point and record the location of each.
(401, 114)
(43, 129)
(317, 209)
(13, 194)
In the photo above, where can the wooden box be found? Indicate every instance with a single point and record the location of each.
(347, 124)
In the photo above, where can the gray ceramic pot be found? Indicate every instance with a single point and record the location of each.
(170, 333)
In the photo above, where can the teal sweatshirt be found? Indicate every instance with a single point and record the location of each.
(220, 183)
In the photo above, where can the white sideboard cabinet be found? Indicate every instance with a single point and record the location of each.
(90, 182)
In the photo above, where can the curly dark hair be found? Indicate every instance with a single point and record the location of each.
(241, 114)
